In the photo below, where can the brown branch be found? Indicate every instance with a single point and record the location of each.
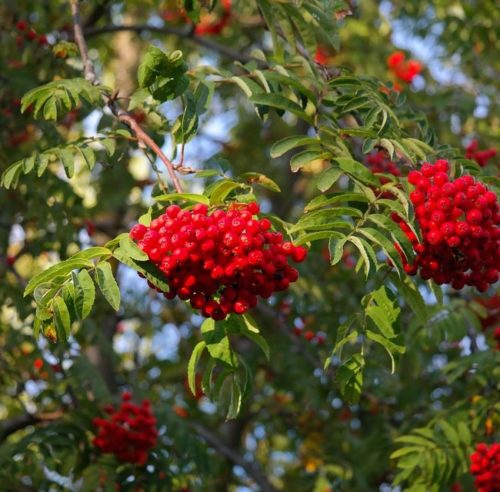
(180, 33)
(253, 470)
(120, 114)
(19, 422)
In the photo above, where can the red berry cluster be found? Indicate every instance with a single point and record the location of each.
(300, 324)
(459, 222)
(129, 433)
(402, 69)
(496, 337)
(311, 336)
(492, 307)
(485, 465)
(30, 34)
(322, 55)
(210, 24)
(480, 156)
(220, 260)
(379, 162)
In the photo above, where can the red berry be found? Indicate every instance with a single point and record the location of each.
(299, 254)
(253, 208)
(21, 25)
(308, 335)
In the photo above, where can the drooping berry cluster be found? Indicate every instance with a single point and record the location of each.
(220, 260)
(405, 70)
(459, 222)
(485, 465)
(129, 432)
(480, 156)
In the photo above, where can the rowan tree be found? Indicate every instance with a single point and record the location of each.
(249, 245)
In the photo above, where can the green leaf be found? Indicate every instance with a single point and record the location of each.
(278, 101)
(186, 125)
(193, 362)
(318, 236)
(345, 81)
(377, 315)
(68, 161)
(10, 176)
(301, 159)
(55, 99)
(366, 251)
(344, 335)
(109, 145)
(235, 399)
(336, 249)
(404, 451)
(107, 284)
(128, 247)
(88, 156)
(350, 378)
(146, 268)
(260, 179)
(182, 197)
(221, 190)
(217, 342)
(390, 347)
(322, 218)
(356, 103)
(92, 253)
(331, 199)
(289, 143)
(387, 246)
(357, 171)
(62, 319)
(464, 433)
(397, 234)
(163, 75)
(411, 295)
(383, 312)
(248, 328)
(328, 178)
(450, 433)
(60, 270)
(84, 293)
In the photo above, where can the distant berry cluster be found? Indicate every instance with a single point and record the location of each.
(219, 260)
(485, 466)
(210, 24)
(459, 221)
(480, 156)
(29, 34)
(322, 55)
(379, 162)
(129, 432)
(404, 70)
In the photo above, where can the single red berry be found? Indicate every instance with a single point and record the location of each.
(21, 25)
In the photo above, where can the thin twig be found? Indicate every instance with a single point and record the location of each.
(252, 469)
(180, 33)
(120, 114)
